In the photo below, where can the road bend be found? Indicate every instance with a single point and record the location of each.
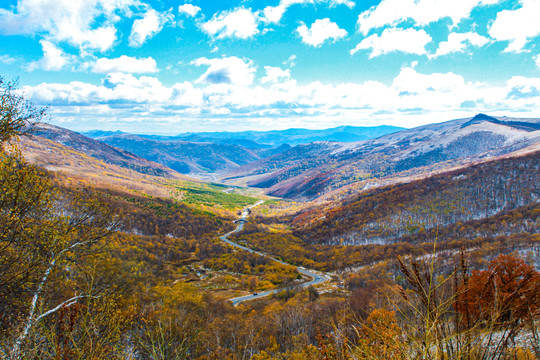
(316, 278)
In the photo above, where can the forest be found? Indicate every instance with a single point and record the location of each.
(444, 267)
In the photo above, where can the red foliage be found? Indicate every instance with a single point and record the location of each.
(509, 290)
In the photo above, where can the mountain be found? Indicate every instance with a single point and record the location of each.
(308, 171)
(101, 151)
(211, 152)
(291, 137)
(448, 206)
(273, 138)
(99, 133)
(82, 169)
(184, 156)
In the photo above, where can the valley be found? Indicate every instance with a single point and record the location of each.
(315, 278)
(269, 180)
(324, 235)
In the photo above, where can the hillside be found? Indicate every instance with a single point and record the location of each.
(450, 202)
(81, 168)
(101, 151)
(491, 207)
(328, 166)
(184, 156)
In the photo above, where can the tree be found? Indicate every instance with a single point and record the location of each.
(509, 290)
(380, 337)
(17, 114)
(43, 232)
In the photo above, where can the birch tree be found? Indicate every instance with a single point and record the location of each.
(43, 232)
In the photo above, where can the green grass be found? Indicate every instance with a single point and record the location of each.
(193, 193)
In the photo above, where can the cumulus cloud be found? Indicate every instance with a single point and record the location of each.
(522, 88)
(240, 23)
(392, 39)
(458, 42)
(439, 96)
(229, 70)
(87, 24)
(422, 12)
(147, 27)
(320, 31)
(273, 14)
(275, 75)
(54, 58)
(350, 4)
(517, 26)
(189, 9)
(125, 64)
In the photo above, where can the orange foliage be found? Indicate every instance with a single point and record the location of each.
(509, 290)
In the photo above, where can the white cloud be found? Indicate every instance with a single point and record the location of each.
(522, 88)
(413, 98)
(189, 9)
(458, 42)
(147, 27)
(230, 71)
(273, 14)
(409, 41)
(422, 12)
(537, 60)
(240, 23)
(128, 87)
(291, 61)
(54, 58)
(517, 26)
(350, 4)
(125, 64)
(320, 31)
(87, 24)
(275, 75)
(6, 59)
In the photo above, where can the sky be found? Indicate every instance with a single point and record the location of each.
(167, 67)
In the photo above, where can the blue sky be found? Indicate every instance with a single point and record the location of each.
(173, 66)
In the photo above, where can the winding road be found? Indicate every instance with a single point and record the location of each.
(316, 279)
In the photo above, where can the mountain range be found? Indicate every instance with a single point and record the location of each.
(99, 150)
(272, 138)
(311, 170)
(199, 154)
(315, 169)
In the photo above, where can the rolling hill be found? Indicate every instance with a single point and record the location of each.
(272, 138)
(219, 152)
(312, 170)
(184, 156)
(447, 206)
(100, 150)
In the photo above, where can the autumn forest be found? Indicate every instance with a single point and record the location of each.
(108, 254)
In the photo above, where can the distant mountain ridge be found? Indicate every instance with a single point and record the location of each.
(527, 126)
(100, 150)
(218, 152)
(183, 156)
(328, 166)
(318, 168)
(272, 138)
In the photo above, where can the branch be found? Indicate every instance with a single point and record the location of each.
(31, 321)
(15, 352)
(66, 303)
